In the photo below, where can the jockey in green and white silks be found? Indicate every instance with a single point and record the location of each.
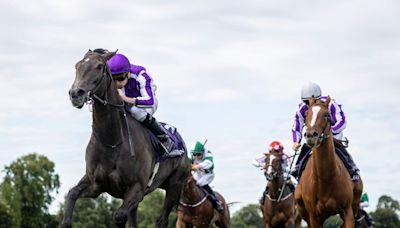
(203, 158)
(203, 168)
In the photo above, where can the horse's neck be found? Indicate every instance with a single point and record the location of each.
(107, 121)
(324, 159)
(274, 186)
(193, 193)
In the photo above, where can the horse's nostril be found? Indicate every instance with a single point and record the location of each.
(80, 92)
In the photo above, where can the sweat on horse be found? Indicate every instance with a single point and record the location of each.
(325, 187)
(121, 158)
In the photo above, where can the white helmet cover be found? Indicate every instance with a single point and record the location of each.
(310, 90)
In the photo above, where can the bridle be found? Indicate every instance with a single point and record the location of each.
(92, 96)
(324, 135)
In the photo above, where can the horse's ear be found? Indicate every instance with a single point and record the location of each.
(110, 54)
(312, 101)
(328, 100)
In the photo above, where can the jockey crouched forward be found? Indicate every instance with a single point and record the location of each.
(136, 87)
(203, 166)
(277, 147)
(338, 124)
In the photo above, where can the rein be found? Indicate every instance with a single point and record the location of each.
(194, 205)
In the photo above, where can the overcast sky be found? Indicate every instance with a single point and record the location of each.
(226, 71)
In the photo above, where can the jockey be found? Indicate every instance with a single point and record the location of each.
(203, 166)
(363, 204)
(137, 89)
(277, 147)
(338, 121)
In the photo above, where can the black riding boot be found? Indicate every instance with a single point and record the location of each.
(347, 160)
(214, 201)
(262, 199)
(151, 123)
(303, 152)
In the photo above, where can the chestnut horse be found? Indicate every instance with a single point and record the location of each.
(325, 187)
(196, 211)
(120, 157)
(277, 212)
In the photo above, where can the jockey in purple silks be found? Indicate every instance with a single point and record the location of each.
(136, 87)
(338, 124)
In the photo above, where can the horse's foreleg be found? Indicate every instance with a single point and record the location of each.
(314, 222)
(171, 199)
(83, 189)
(180, 223)
(132, 217)
(132, 199)
(348, 218)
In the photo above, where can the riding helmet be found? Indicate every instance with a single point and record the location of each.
(275, 146)
(197, 148)
(119, 64)
(310, 90)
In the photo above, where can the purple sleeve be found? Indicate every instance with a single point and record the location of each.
(338, 117)
(146, 97)
(299, 122)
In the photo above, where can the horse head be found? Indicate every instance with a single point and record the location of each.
(318, 122)
(273, 165)
(91, 73)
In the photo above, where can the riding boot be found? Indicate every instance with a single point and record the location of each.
(348, 162)
(151, 123)
(303, 152)
(214, 201)
(368, 218)
(262, 199)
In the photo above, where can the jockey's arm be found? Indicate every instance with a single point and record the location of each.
(338, 117)
(298, 124)
(206, 164)
(146, 91)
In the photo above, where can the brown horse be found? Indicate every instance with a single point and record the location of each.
(196, 211)
(277, 212)
(120, 157)
(325, 187)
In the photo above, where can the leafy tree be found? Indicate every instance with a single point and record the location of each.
(90, 212)
(27, 188)
(5, 215)
(248, 217)
(385, 214)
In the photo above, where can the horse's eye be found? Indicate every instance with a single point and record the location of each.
(99, 67)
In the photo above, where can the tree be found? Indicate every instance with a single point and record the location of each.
(5, 215)
(248, 217)
(27, 188)
(385, 214)
(90, 212)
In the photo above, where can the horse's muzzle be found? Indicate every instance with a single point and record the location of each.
(311, 137)
(78, 97)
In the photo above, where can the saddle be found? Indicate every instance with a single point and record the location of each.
(342, 153)
(178, 149)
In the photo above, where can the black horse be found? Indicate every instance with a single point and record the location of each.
(120, 156)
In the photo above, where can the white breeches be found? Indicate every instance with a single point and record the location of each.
(140, 113)
(203, 179)
(339, 136)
